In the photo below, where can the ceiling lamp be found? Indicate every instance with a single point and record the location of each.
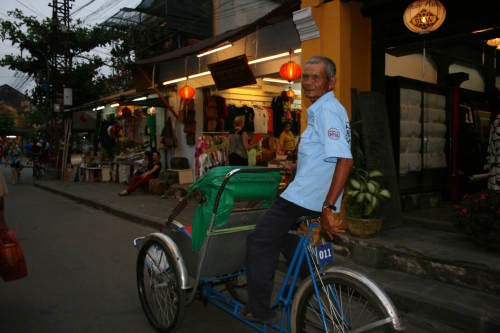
(175, 80)
(422, 17)
(186, 92)
(215, 50)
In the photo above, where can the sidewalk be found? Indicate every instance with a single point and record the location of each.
(431, 273)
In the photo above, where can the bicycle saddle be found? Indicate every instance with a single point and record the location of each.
(301, 219)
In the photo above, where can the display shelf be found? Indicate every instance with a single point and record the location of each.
(420, 124)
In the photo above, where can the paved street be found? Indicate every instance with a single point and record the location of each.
(80, 271)
(81, 266)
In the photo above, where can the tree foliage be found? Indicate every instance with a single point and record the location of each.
(40, 40)
(6, 123)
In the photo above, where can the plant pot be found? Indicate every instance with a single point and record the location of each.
(364, 228)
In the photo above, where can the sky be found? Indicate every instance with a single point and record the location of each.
(91, 12)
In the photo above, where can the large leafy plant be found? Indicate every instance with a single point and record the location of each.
(365, 194)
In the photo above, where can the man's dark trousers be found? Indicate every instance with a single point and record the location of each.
(264, 244)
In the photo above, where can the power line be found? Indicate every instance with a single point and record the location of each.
(88, 3)
(34, 10)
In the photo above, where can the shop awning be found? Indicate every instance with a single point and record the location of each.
(278, 14)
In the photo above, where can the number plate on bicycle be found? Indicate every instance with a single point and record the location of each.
(324, 253)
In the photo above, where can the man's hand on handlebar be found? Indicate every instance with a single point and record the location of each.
(329, 225)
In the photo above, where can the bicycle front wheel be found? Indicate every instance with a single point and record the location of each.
(347, 303)
(158, 283)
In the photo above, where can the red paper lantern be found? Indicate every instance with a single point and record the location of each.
(290, 93)
(84, 117)
(290, 71)
(126, 111)
(186, 92)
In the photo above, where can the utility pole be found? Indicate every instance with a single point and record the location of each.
(62, 62)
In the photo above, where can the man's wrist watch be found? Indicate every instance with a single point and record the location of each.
(326, 204)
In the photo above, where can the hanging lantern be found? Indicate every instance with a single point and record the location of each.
(290, 92)
(126, 111)
(494, 42)
(84, 117)
(290, 71)
(424, 16)
(186, 92)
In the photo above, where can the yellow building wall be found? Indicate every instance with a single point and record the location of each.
(345, 37)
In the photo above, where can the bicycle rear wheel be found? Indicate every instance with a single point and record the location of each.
(158, 283)
(36, 171)
(347, 304)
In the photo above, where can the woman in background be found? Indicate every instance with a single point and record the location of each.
(145, 165)
(138, 181)
(237, 144)
(287, 140)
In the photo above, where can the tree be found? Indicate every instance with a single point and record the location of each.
(35, 36)
(6, 124)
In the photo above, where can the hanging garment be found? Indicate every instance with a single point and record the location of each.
(493, 155)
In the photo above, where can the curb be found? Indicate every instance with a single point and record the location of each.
(466, 310)
(103, 207)
(403, 259)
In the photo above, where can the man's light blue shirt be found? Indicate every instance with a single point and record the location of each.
(326, 138)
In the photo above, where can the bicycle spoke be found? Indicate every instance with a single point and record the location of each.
(161, 296)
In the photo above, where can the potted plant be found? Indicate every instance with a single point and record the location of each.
(364, 198)
(478, 215)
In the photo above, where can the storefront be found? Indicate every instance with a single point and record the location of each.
(201, 129)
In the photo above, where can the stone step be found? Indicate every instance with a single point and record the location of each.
(436, 255)
(432, 306)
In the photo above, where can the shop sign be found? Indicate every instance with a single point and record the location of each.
(232, 73)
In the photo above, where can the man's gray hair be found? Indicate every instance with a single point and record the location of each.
(330, 68)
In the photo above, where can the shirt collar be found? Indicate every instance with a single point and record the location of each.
(316, 105)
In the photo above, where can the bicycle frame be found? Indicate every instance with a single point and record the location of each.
(283, 300)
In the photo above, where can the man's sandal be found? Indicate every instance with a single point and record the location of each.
(245, 314)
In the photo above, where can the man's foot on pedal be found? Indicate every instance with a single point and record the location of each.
(246, 314)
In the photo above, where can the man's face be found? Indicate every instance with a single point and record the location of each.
(314, 81)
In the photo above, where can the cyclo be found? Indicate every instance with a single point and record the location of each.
(207, 262)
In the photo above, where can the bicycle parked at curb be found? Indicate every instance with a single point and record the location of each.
(170, 275)
(38, 169)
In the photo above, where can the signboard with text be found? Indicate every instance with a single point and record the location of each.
(232, 73)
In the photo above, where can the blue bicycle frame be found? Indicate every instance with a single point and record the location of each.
(284, 298)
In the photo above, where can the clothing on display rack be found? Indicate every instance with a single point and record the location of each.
(493, 155)
(210, 152)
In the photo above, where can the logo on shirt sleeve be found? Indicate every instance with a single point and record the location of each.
(333, 134)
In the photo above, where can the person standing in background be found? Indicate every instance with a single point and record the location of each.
(237, 144)
(28, 151)
(44, 158)
(287, 140)
(13, 157)
(3, 192)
